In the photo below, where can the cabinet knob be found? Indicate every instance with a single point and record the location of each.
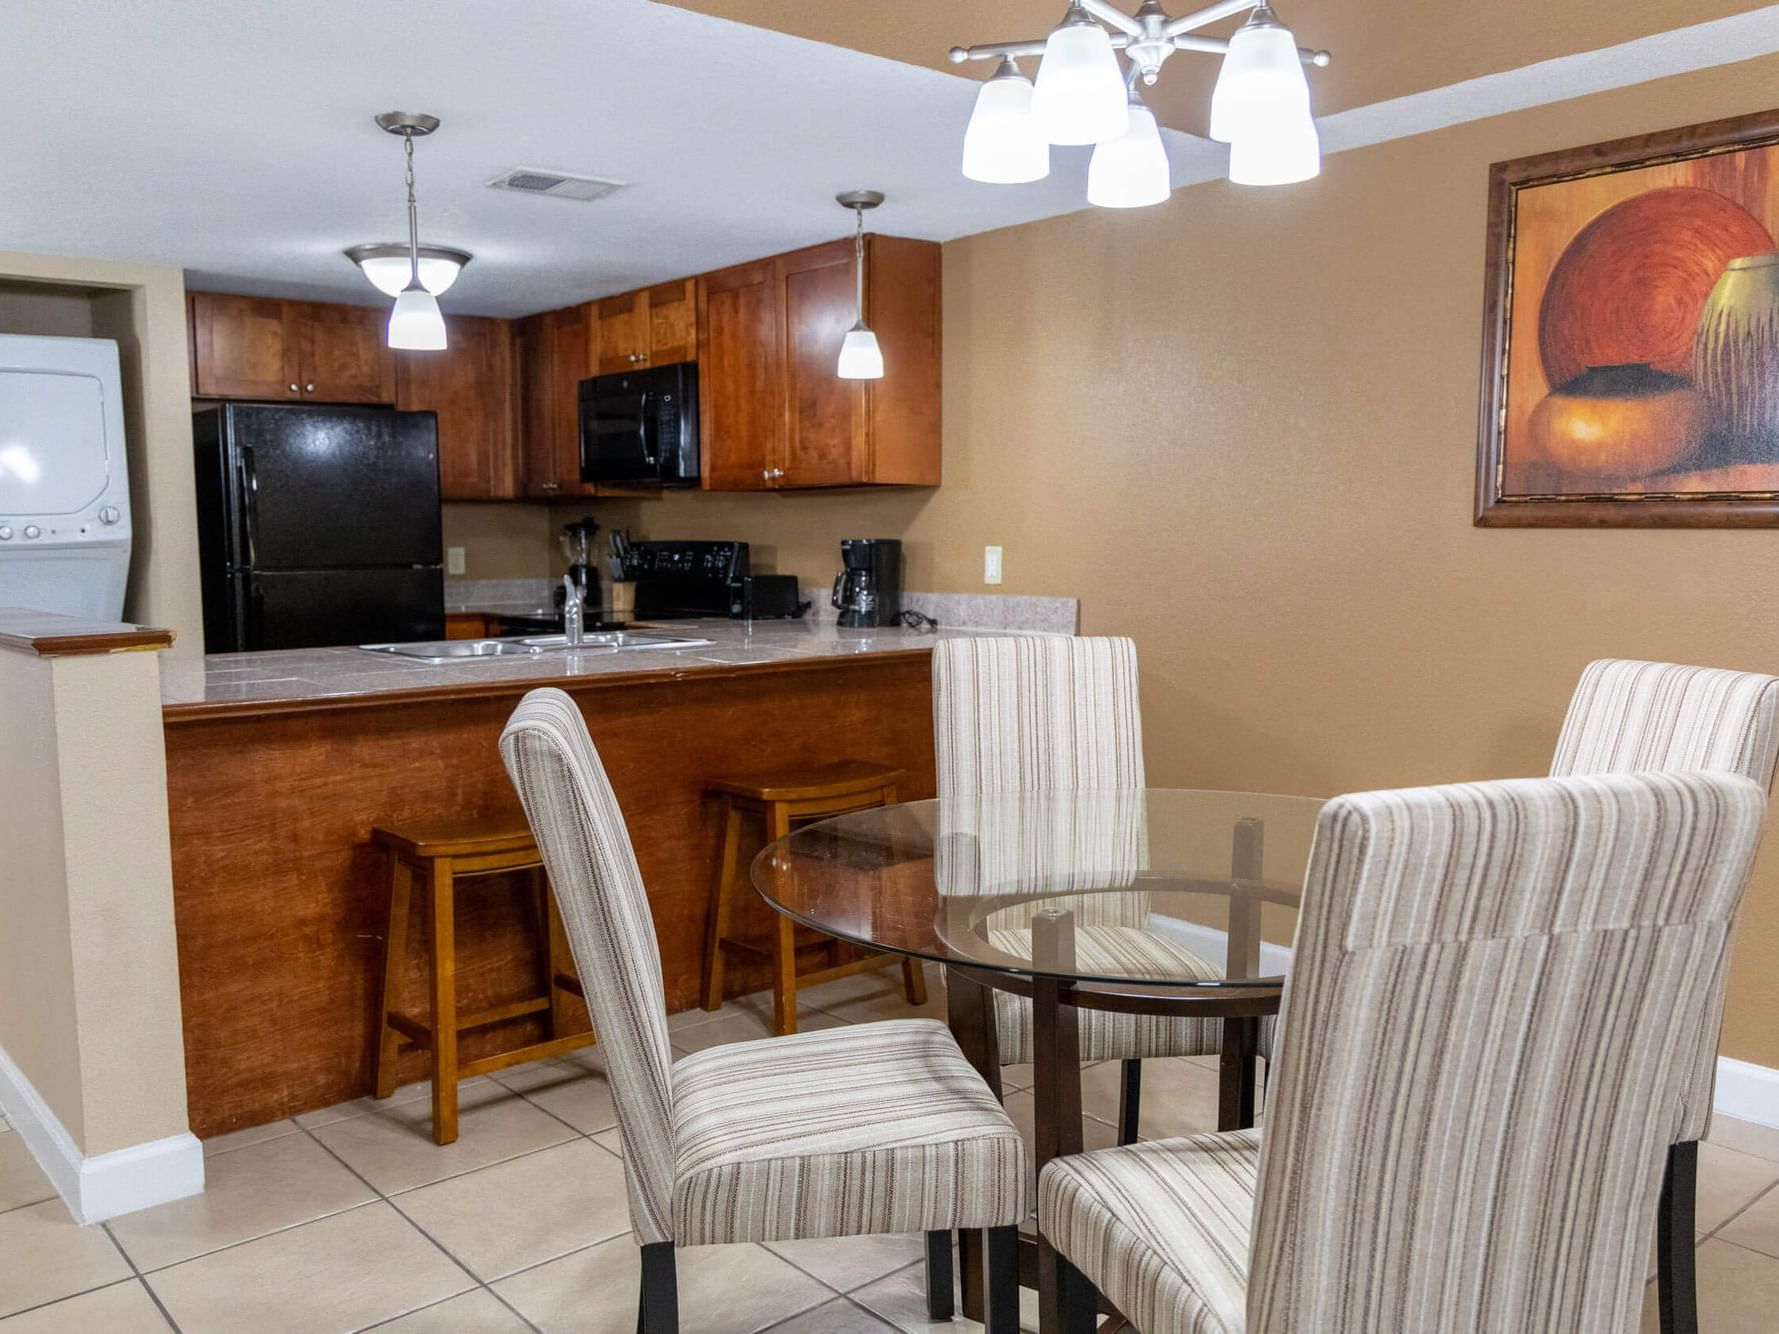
(309, 388)
(548, 486)
(639, 356)
(293, 389)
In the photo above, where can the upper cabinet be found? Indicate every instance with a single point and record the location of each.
(653, 326)
(259, 348)
(554, 352)
(774, 413)
(470, 386)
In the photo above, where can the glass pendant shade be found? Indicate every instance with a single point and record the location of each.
(1282, 153)
(1130, 171)
(1079, 97)
(1261, 80)
(415, 323)
(860, 357)
(389, 273)
(1002, 145)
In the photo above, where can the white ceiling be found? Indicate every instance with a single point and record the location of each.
(234, 138)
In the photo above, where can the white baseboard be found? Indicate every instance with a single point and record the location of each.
(1746, 1091)
(107, 1184)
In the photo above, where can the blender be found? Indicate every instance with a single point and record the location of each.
(577, 547)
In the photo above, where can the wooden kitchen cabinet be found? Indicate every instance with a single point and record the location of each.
(470, 386)
(554, 353)
(775, 415)
(261, 348)
(740, 376)
(652, 326)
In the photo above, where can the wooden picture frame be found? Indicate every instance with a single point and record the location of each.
(1547, 459)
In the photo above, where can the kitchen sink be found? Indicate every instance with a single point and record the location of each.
(616, 639)
(599, 641)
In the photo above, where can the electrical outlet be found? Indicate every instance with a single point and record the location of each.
(991, 565)
(453, 560)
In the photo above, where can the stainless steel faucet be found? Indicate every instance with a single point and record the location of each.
(571, 612)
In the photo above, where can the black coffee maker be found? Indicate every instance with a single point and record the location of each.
(868, 590)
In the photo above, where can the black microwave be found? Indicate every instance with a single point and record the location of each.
(640, 427)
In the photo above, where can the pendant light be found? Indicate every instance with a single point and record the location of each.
(860, 357)
(388, 266)
(1079, 96)
(1261, 106)
(1130, 171)
(415, 322)
(1002, 145)
(1283, 153)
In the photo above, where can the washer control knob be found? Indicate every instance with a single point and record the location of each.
(109, 514)
(5, 532)
(32, 530)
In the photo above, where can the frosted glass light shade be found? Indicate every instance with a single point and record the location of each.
(1002, 145)
(1079, 97)
(415, 323)
(1261, 80)
(389, 274)
(1131, 170)
(1283, 153)
(860, 357)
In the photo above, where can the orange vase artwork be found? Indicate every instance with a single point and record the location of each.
(1631, 372)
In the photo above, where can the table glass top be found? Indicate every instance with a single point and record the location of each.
(1158, 886)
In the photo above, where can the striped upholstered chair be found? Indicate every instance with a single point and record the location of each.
(1487, 1034)
(1037, 714)
(1627, 716)
(875, 1128)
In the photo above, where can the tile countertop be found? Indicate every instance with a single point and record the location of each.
(293, 679)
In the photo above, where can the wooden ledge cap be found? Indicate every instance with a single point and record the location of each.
(49, 635)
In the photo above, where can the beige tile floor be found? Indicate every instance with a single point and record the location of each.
(351, 1218)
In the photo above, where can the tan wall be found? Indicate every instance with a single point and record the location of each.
(142, 307)
(89, 970)
(501, 541)
(1241, 427)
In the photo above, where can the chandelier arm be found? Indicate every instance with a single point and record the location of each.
(1108, 13)
(1209, 14)
(1014, 50)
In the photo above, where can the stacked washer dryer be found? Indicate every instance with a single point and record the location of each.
(64, 489)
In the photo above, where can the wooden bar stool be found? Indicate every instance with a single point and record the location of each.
(437, 856)
(780, 799)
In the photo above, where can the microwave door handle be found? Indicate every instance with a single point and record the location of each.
(645, 429)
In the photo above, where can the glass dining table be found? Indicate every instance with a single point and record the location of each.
(1155, 901)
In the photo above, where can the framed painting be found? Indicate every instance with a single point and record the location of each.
(1631, 333)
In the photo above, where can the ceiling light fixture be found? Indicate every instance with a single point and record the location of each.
(1260, 107)
(860, 357)
(414, 322)
(388, 266)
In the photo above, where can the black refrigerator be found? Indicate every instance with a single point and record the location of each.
(318, 526)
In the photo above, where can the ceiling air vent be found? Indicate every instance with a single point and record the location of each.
(554, 184)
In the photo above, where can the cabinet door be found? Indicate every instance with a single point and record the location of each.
(825, 441)
(623, 331)
(470, 386)
(533, 381)
(673, 322)
(571, 361)
(740, 377)
(243, 347)
(346, 358)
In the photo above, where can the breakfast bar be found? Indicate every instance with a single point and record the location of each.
(279, 764)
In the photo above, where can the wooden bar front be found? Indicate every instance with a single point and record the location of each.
(280, 898)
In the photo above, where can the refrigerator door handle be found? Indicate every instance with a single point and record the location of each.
(250, 504)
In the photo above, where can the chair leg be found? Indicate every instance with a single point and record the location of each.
(784, 942)
(914, 982)
(657, 1310)
(1130, 1098)
(444, 1005)
(1001, 1246)
(718, 931)
(1676, 1297)
(395, 950)
(939, 1276)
